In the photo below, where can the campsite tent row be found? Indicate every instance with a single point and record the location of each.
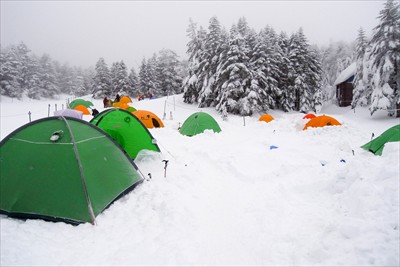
(71, 170)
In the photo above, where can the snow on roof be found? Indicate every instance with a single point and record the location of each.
(346, 73)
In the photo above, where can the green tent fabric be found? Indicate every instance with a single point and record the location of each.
(130, 109)
(127, 130)
(62, 169)
(79, 101)
(376, 145)
(199, 122)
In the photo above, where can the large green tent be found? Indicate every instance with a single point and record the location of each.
(62, 169)
(390, 135)
(199, 122)
(127, 130)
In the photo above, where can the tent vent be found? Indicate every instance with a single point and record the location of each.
(56, 136)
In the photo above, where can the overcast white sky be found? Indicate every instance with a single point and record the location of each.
(80, 32)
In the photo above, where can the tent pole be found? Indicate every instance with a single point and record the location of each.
(78, 159)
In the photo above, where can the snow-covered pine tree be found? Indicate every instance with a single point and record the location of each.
(34, 83)
(167, 69)
(260, 79)
(305, 63)
(65, 78)
(88, 75)
(234, 78)
(48, 87)
(313, 79)
(101, 85)
(361, 82)
(14, 70)
(286, 97)
(209, 62)
(296, 56)
(247, 34)
(385, 56)
(9, 85)
(191, 85)
(25, 70)
(114, 77)
(148, 77)
(121, 80)
(143, 79)
(274, 58)
(80, 86)
(154, 85)
(134, 82)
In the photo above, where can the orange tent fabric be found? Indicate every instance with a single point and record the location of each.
(321, 121)
(116, 104)
(266, 118)
(82, 108)
(149, 119)
(309, 116)
(123, 105)
(125, 99)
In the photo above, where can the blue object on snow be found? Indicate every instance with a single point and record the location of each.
(342, 160)
(273, 147)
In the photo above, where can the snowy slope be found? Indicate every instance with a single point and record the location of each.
(229, 199)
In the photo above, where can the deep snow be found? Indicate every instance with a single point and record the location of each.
(232, 198)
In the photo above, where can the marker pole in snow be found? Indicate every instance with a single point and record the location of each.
(165, 104)
(165, 167)
(370, 144)
(48, 111)
(29, 113)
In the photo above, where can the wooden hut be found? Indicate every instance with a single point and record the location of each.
(344, 86)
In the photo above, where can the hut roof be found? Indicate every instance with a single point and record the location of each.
(346, 74)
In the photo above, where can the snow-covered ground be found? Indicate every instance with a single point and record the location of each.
(232, 198)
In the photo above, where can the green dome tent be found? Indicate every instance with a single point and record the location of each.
(390, 135)
(62, 169)
(199, 122)
(127, 130)
(78, 102)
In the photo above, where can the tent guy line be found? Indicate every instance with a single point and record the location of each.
(44, 143)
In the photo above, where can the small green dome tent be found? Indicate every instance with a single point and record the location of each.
(127, 130)
(199, 122)
(376, 145)
(80, 101)
(62, 169)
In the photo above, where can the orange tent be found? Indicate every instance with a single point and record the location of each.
(82, 108)
(321, 121)
(309, 116)
(266, 118)
(125, 99)
(123, 105)
(149, 119)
